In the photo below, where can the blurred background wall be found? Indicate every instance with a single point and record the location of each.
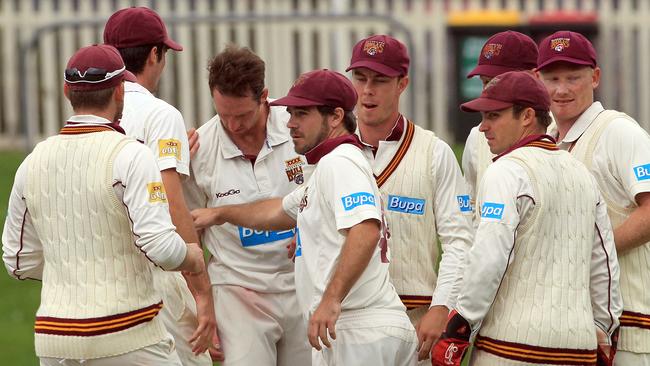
(444, 38)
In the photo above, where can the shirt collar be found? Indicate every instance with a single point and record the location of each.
(395, 134)
(84, 123)
(543, 141)
(583, 122)
(88, 119)
(135, 87)
(315, 154)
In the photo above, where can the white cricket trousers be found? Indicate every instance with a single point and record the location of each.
(162, 353)
(370, 337)
(624, 358)
(259, 329)
(179, 315)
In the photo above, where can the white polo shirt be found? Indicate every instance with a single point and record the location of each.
(341, 193)
(158, 125)
(221, 175)
(135, 178)
(621, 156)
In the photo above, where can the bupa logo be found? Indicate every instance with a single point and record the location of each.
(407, 205)
(464, 203)
(642, 172)
(358, 199)
(491, 210)
(228, 193)
(298, 244)
(250, 237)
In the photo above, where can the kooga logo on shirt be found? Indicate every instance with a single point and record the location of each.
(358, 199)
(228, 193)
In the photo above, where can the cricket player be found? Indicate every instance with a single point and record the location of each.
(246, 155)
(141, 37)
(87, 214)
(342, 278)
(421, 186)
(617, 152)
(541, 283)
(503, 52)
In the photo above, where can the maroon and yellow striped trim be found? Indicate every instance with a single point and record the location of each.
(632, 319)
(77, 130)
(414, 301)
(535, 354)
(394, 163)
(96, 326)
(543, 144)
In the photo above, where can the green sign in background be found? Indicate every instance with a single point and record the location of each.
(470, 49)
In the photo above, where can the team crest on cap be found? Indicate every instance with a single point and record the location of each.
(492, 82)
(293, 168)
(374, 47)
(559, 44)
(492, 49)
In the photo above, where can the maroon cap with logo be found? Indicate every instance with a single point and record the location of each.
(133, 27)
(94, 67)
(380, 53)
(506, 51)
(505, 90)
(320, 87)
(566, 46)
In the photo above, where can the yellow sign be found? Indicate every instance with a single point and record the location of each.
(156, 192)
(477, 18)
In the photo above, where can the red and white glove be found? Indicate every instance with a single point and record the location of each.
(453, 343)
(605, 358)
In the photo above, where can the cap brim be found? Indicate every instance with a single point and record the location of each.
(491, 70)
(293, 101)
(570, 60)
(376, 67)
(484, 105)
(173, 45)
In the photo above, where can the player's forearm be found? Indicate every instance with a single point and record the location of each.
(635, 230)
(260, 215)
(360, 244)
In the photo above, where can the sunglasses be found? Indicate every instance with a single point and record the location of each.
(91, 75)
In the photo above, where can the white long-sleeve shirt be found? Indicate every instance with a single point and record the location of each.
(134, 172)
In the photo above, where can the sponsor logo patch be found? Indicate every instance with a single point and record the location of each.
(373, 47)
(407, 205)
(642, 172)
(491, 210)
(298, 244)
(303, 201)
(559, 44)
(293, 168)
(464, 203)
(228, 193)
(250, 237)
(169, 148)
(156, 192)
(358, 199)
(492, 49)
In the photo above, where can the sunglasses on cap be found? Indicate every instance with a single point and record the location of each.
(91, 75)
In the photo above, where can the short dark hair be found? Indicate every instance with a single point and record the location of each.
(349, 119)
(90, 99)
(543, 117)
(237, 71)
(135, 57)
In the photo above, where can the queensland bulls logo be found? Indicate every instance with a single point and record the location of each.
(374, 47)
(293, 168)
(559, 44)
(492, 49)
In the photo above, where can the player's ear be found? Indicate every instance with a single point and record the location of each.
(265, 95)
(337, 117)
(402, 83)
(66, 90)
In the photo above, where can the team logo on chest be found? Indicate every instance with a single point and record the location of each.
(293, 168)
(409, 205)
(303, 202)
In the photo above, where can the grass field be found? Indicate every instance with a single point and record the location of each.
(19, 299)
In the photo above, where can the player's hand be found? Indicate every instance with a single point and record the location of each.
(206, 217)
(291, 249)
(193, 138)
(605, 352)
(205, 336)
(453, 343)
(430, 328)
(323, 322)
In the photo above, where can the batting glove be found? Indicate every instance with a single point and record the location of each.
(453, 343)
(604, 358)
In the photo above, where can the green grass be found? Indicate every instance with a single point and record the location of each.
(19, 298)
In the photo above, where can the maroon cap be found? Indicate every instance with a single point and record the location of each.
(94, 67)
(320, 87)
(133, 27)
(380, 53)
(506, 51)
(566, 46)
(505, 90)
